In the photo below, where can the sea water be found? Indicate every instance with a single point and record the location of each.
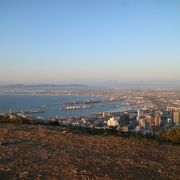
(52, 105)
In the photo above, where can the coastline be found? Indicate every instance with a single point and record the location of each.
(55, 105)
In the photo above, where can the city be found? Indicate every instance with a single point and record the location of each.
(90, 89)
(145, 112)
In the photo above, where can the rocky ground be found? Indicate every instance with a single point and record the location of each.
(46, 152)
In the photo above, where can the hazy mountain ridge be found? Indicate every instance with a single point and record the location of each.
(139, 84)
(43, 88)
(111, 85)
(41, 85)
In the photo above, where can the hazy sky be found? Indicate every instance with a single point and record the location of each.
(61, 41)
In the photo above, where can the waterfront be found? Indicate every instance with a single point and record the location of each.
(52, 105)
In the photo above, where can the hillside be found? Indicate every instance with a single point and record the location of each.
(47, 152)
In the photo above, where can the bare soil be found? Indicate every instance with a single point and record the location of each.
(52, 152)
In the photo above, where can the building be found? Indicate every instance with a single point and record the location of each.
(142, 122)
(157, 120)
(172, 109)
(176, 117)
(12, 116)
(137, 128)
(104, 114)
(150, 120)
(124, 129)
(139, 115)
(169, 120)
(113, 122)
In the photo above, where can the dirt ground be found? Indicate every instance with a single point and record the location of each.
(46, 152)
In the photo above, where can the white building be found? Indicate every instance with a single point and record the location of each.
(140, 113)
(112, 122)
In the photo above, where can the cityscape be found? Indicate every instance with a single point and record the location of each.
(90, 89)
(148, 112)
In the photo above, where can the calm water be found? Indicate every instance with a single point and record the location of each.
(53, 105)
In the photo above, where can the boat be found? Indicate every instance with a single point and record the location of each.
(77, 107)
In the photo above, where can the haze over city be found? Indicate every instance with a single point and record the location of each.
(89, 41)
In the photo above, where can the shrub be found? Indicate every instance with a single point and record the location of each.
(172, 135)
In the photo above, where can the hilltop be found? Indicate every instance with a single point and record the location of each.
(46, 152)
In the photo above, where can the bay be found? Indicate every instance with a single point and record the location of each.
(51, 105)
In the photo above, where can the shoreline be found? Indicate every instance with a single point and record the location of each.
(60, 107)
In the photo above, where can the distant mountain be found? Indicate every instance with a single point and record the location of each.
(139, 84)
(44, 86)
(98, 85)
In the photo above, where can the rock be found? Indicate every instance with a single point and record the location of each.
(74, 171)
(160, 171)
(23, 174)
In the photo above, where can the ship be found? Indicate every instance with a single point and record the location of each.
(77, 107)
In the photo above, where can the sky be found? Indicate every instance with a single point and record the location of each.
(62, 41)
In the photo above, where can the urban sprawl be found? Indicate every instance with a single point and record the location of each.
(151, 113)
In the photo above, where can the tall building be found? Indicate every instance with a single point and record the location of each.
(140, 113)
(142, 122)
(150, 120)
(176, 117)
(157, 120)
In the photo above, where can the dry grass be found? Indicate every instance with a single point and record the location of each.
(172, 135)
(44, 152)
